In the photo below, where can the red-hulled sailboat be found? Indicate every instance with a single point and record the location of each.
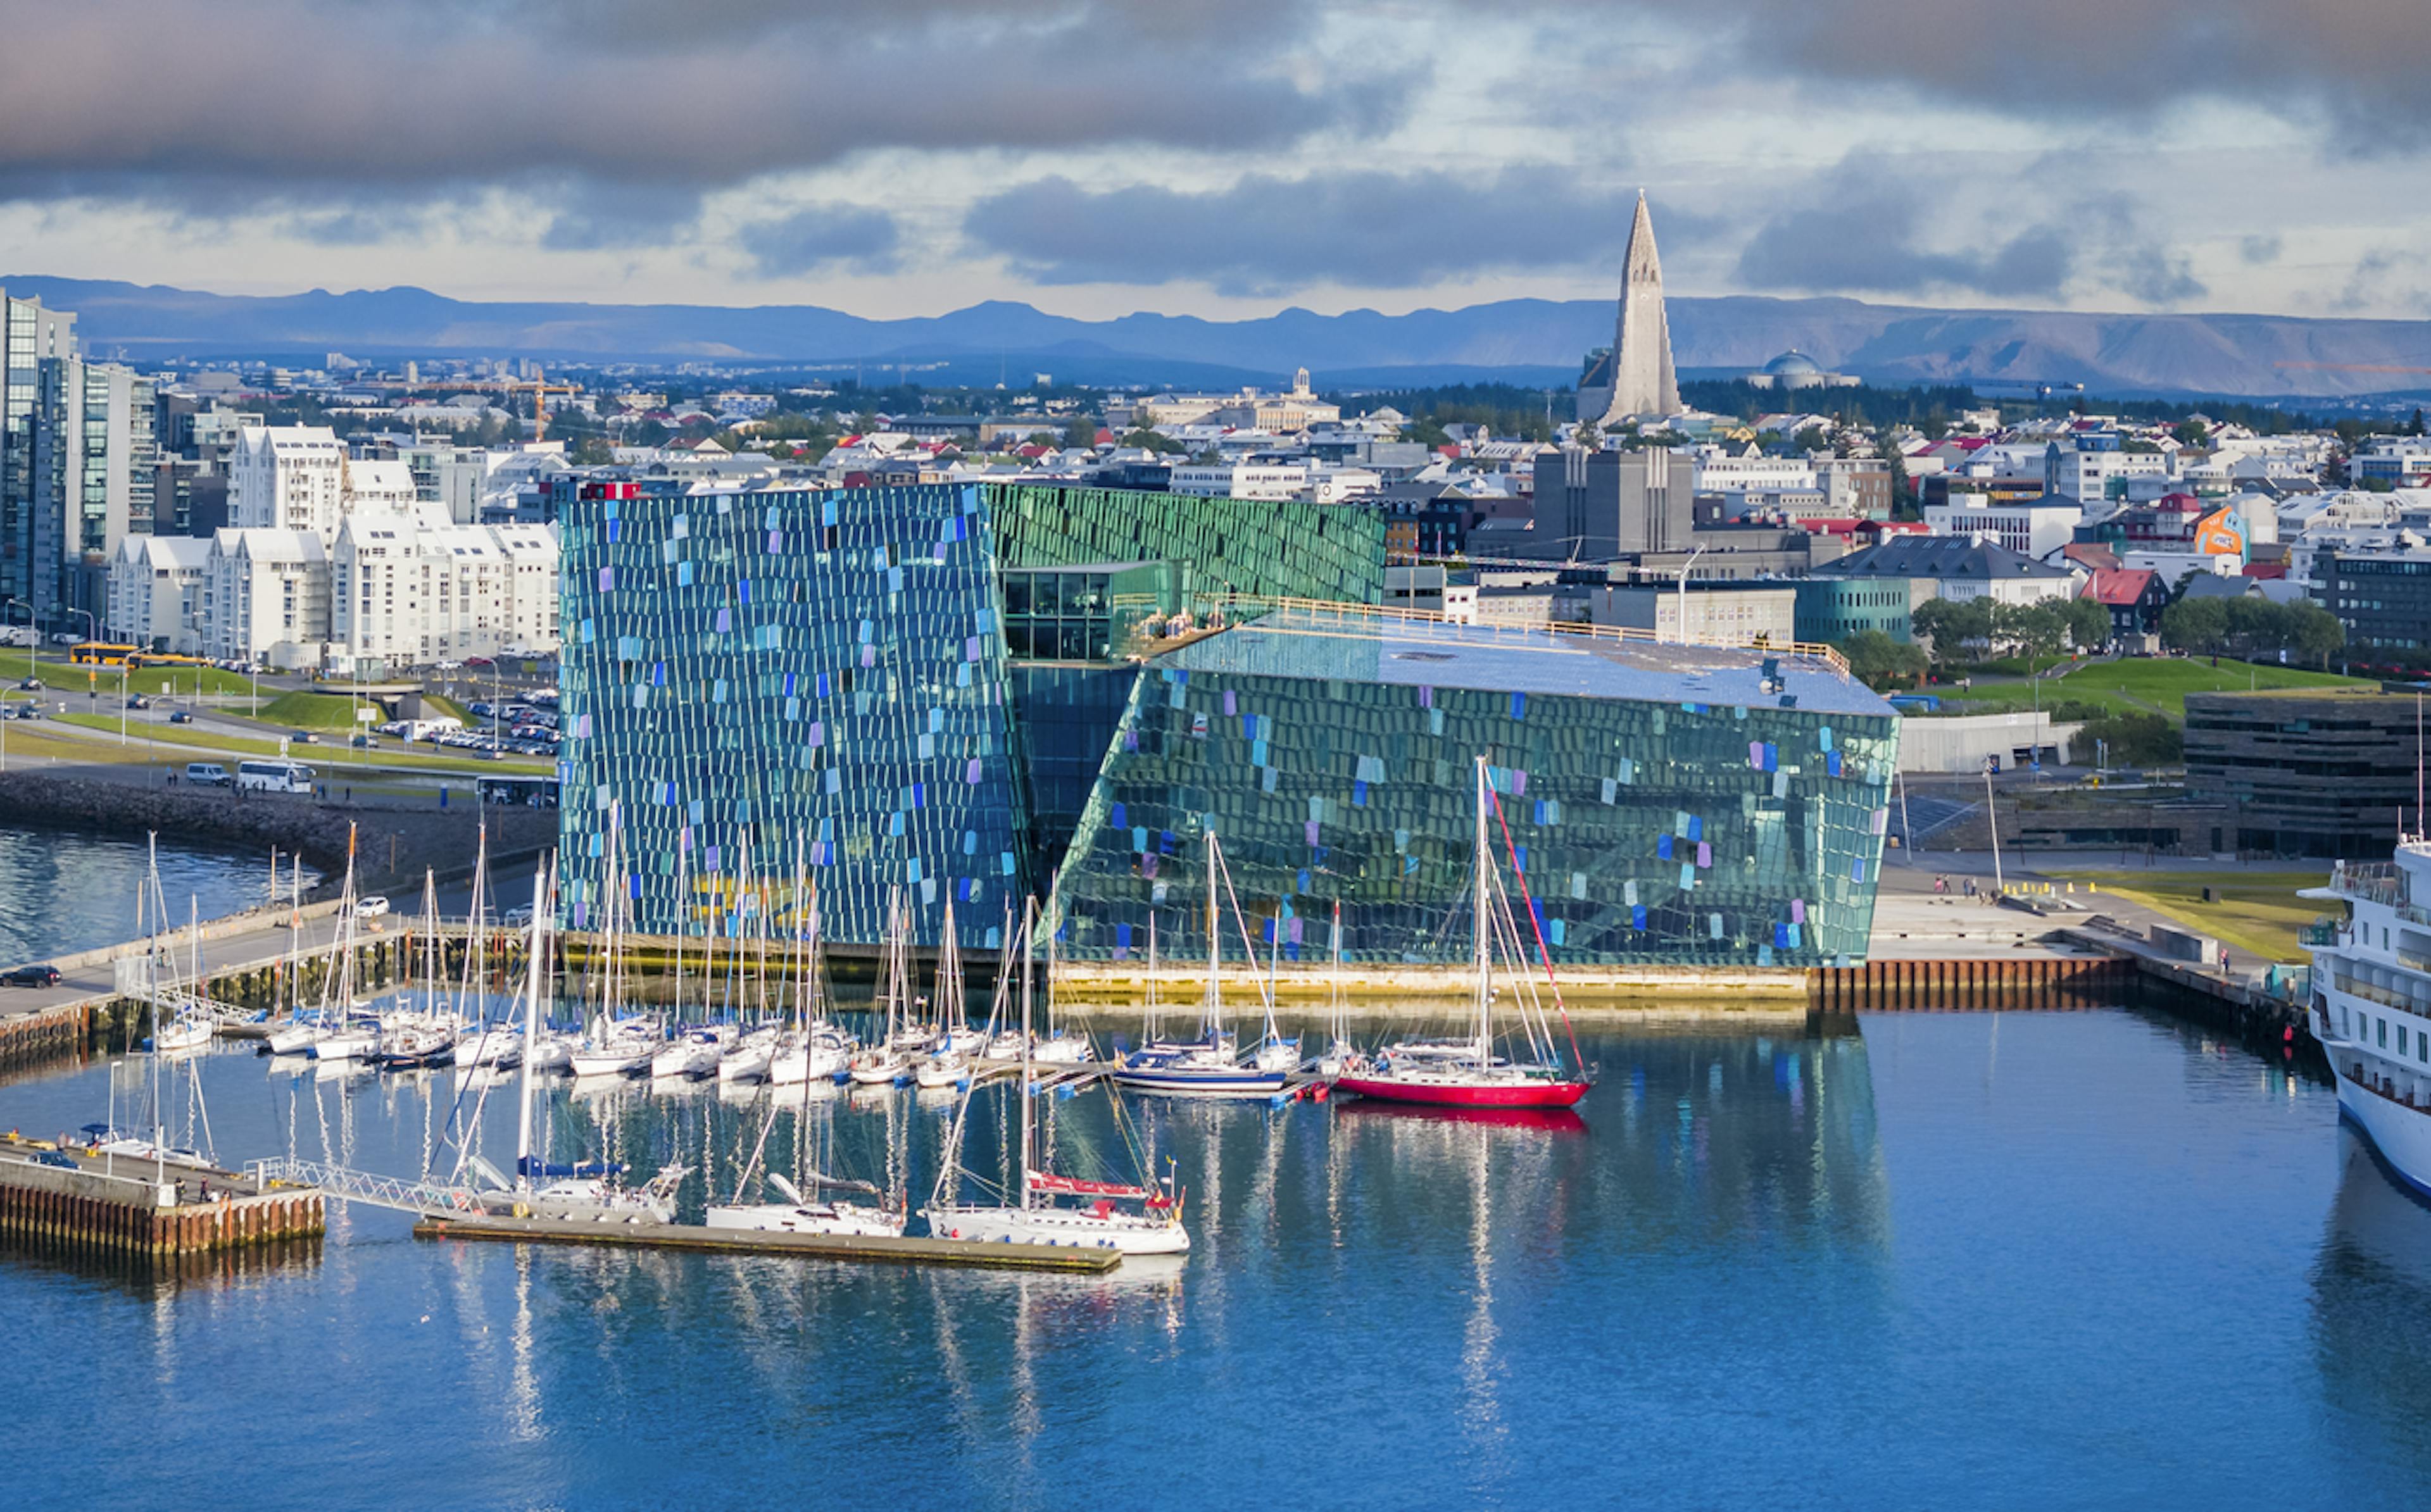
(1469, 1073)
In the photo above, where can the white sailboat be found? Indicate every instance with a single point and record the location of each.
(888, 1061)
(1048, 1207)
(586, 1191)
(615, 1043)
(1211, 1065)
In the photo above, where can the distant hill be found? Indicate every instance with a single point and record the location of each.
(1528, 341)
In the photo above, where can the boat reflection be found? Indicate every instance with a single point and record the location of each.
(1561, 1120)
(2370, 1285)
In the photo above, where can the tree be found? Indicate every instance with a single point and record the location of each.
(2195, 625)
(1813, 438)
(2088, 623)
(1952, 626)
(1081, 431)
(1153, 441)
(2192, 433)
(1427, 431)
(1882, 663)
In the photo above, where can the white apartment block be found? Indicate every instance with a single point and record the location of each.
(1722, 474)
(409, 588)
(2087, 474)
(266, 596)
(2030, 527)
(156, 593)
(1240, 481)
(288, 477)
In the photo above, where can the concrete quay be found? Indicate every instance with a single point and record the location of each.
(121, 1208)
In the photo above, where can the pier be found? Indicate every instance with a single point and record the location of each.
(868, 1248)
(127, 1208)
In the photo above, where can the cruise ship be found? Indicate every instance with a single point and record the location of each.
(2371, 1003)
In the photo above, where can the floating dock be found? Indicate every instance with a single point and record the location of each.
(864, 1248)
(73, 1202)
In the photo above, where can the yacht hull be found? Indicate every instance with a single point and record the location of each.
(1061, 1227)
(1456, 1093)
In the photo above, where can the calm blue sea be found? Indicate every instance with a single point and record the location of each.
(67, 890)
(1963, 1260)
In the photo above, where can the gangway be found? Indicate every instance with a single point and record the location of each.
(404, 1196)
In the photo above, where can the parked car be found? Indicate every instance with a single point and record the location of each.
(30, 685)
(31, 711)
(371, 907)
(209, 773)
(181, 717)
(67, 638)
(30, 977)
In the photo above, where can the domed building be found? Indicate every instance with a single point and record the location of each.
(1794, 369)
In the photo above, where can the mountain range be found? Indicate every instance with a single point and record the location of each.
(1522, 340)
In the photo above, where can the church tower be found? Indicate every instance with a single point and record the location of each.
(1635, 377)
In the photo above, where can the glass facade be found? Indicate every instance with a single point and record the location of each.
(925, 688)
(1667, 804)
(751, 677)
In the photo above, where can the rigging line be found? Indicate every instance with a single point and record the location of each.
(1577, 1062)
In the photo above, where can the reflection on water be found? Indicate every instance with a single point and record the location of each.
(67, 890)
(1832, 1269)
(2371, 1298)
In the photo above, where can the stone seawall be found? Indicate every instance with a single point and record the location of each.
(395, 845)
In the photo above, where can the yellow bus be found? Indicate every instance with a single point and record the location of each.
(165, 659)
(100, 653)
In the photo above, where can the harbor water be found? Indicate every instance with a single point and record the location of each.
(2017, 1260)
(70, 890)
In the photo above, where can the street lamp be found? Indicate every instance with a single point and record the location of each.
(36, 637)
(1684, 591)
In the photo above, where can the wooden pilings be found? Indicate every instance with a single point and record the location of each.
(43, 1035)
(1985, 982)
(77, 1211)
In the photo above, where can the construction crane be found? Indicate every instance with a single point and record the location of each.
(539, 389)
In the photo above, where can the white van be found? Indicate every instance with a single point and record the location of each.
(209, 773)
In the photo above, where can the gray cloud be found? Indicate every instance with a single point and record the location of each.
(824, 235)
(2259, 251)
(2355, 64)
(1360, 228)
(1861, 236)
(591, 215)
(1860, 230)
(289, 96)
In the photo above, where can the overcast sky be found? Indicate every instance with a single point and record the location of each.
(1099, 157)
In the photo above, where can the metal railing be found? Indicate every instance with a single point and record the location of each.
(367, 1187)
(1238, 606)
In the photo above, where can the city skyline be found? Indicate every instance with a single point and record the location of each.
(899, 162)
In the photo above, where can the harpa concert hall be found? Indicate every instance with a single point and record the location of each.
(978, 693)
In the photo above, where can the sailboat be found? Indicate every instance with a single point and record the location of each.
(949, 1063)
(813, 1049)
(1209, 1066)
(616, 1043)
(800, 1214)
(414, 1036)
(1469, 1073)
(589, 1190)
(1339, 1052)
(888, 1060)
(1048, 1207)
(349, 1032)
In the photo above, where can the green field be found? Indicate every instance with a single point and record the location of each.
(334, 753)
(2139, 685)
(2257, 915)
(66, 677)
(318, 711)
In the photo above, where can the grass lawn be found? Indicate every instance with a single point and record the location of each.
(335, 755)
(2258, 916)
(318, 711)
(2139, 685)
(65, 676)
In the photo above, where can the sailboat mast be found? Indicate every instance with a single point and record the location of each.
(1482, 961)
(1214, 950)
(1029, 939)
(535, 975)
